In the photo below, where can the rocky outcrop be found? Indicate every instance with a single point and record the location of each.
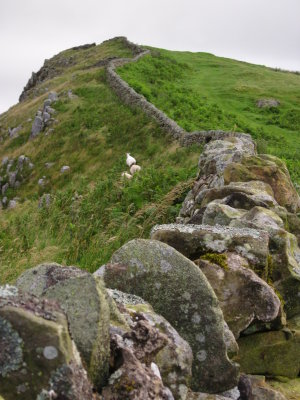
(179, 291)
(43, 117)
(13, 172)
(37, 356)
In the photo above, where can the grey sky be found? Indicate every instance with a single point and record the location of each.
(259, 31)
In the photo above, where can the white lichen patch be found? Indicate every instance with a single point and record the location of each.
(200, 338)
(50, 352)
(165, 266)
(201, 355)
(196, 318)
(186, 296)
(8, 291)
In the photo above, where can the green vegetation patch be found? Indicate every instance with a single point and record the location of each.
(201, 91)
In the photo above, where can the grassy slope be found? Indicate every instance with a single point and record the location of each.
(93, 133)
(201, 91)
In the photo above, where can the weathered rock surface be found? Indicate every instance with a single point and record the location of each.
(37, 354)
(196, 240)
(267, 103)
(153, 339)
(132, 379)
(254, 387)
(275, 353)
(13, 172)
(285, 256)
(243, 296)
(43, 117)
(84, 300)
(179, 291)
(268, 169)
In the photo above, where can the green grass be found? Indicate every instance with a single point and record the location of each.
(93, 210)
(201, 91)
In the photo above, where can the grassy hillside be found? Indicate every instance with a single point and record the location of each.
(93, 211)
(201, 91)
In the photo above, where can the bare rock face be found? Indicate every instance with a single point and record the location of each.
(83, 298)
(178, 290)
(244, 297)
(37, 355)
(153, 339)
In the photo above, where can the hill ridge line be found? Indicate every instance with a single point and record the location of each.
(129, 96)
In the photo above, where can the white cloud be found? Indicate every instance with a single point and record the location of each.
(259, 31)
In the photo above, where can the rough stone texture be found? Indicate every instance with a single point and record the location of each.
(267, 103)
(220, 214)
(243, 296)
(37, 126)
(268, 169)
(132, 380)
(153, 270)
(132, 98)
(275, 353)
(154, 340)
(254, 387)
(196, 240)
(203, 137)
(218, 154)
(14, 132)
(13, 172)
(83, 299)
(204, 396)
(285, 256)
(36, 350)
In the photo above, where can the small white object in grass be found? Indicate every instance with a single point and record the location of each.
(64, 169)
(155, 370)
(134, 168)
(126, 175)
(130, 160)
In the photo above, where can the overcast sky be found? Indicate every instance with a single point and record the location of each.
(259, 31)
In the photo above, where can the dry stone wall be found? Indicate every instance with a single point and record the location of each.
(132, 98)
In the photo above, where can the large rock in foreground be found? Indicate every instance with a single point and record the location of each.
(179, 291)
(84, 300)
(37, 355)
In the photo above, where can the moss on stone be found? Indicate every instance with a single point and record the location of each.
(270, 353)
(215, 258)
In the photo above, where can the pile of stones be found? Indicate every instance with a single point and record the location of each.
(13, 172)
(43, 118)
